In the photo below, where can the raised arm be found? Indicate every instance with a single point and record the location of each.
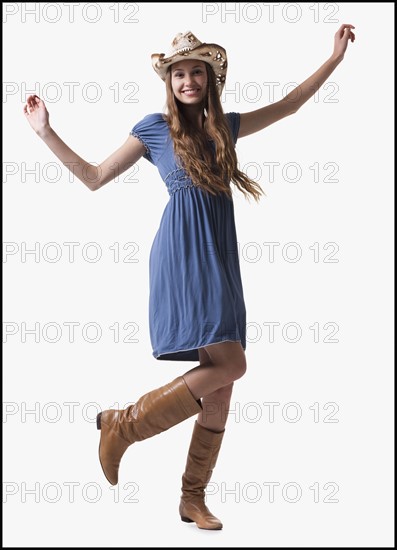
(94, 177)
(257, 120)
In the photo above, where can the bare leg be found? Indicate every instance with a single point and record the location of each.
(164, 407)
(225, 363)
(220, 365)
(216, 404)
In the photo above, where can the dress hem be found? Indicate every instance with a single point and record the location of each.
(162, 356)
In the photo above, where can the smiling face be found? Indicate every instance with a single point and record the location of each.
(189, 81)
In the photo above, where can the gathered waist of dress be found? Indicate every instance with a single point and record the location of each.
(177, 179)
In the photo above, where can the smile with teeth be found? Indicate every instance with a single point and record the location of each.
(193, 90)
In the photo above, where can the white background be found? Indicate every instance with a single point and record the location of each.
(348, 124)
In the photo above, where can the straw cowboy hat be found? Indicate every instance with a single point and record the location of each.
(187, 46)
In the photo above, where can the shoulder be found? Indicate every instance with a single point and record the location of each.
(152, 119)
(232, 116)
(156, 117)
(150, 126)
(152, 131)
(234, 123)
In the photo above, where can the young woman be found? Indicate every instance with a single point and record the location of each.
(196, 303)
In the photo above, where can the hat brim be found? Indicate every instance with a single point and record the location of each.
(213, 54)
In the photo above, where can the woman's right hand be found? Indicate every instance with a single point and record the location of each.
(36, 114)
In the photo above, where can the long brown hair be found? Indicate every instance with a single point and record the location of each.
(193, 151)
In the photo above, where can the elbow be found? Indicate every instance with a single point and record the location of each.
(97, 184)
(290, 106)
(91, 186)
(93, 178)
(293, 111)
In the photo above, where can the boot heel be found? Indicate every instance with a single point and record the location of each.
(187, 520)
(98, 421)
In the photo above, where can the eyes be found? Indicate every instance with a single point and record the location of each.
(180, 74)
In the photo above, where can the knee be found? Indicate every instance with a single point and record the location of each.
(229, 358)
(238, 369)
(234, 370)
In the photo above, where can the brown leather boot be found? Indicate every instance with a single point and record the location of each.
(152, 414)
(203, 453)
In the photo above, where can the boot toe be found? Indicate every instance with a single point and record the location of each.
(198, 513)
(111, 446)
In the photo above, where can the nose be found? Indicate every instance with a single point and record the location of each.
(189, 80)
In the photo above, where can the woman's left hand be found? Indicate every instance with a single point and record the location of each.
(342, 36)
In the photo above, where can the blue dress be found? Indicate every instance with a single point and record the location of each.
(196, 294)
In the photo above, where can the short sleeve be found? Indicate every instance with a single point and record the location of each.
(234, 122)
(152, 131)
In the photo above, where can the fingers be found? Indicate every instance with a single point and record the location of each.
(33, 99)
(28, 108)
(345, 30)
(342, 28)
(350, 34)
(32, 102)
(347, 26)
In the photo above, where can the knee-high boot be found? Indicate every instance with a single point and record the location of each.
(152, 414)
(201, 460)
